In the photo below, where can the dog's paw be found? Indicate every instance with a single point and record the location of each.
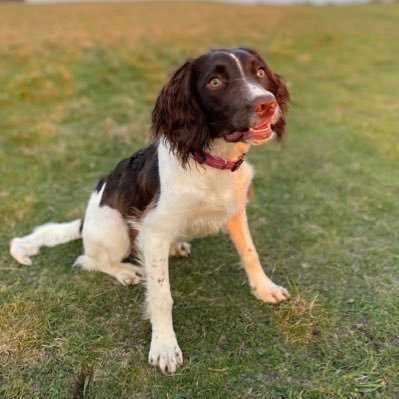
(271, 293)
(128, 274)
(165, 354)
(21, 251)
(181, 248)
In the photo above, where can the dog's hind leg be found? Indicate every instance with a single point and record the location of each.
(125, 273)
(106, 243)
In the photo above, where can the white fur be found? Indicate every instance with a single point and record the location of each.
(193, 202)
(196, 202)
(49, 235)
(106, 242)
(238, 63)
(255, 91)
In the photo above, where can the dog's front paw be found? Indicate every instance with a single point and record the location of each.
(165, 354)
(271, 293)
(181, 248)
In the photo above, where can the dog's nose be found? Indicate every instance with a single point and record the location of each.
(265, 105)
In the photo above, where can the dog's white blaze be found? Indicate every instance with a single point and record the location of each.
(254, 90)
(258, 91)
(239, 66)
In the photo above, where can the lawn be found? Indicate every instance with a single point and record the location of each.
(77, 84)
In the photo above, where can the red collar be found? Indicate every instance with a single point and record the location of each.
(218, 163)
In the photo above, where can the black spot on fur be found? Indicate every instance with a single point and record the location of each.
(134, 184)
(100, 184)
(81, 226)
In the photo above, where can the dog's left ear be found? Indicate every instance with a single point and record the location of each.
(178, 118)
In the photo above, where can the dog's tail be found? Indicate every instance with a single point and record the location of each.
(49, 235)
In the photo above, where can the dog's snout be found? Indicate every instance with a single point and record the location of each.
(265, 105)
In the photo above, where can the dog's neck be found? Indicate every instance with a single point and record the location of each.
(228, 151)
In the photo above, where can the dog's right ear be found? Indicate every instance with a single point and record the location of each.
(178, 118)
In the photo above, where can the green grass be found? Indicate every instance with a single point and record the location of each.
(77, 84)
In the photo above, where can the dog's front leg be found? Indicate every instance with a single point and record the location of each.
(164, 352)
(262, 287)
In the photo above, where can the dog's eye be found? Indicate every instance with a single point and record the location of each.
(261, 73)
(215, 83)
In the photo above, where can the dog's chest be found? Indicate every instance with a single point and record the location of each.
(216, 198)
(220, 197)
(199, 201)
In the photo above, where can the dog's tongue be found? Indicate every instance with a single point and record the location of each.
(235, 136)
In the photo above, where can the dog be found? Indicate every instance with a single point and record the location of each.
(192, 181)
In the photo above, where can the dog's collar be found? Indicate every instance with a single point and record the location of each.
(218, 163)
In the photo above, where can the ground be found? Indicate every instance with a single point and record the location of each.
(77, 86)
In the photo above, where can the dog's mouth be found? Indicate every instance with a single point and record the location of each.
(255, 135)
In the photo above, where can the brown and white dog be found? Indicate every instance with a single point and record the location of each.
(192, 181)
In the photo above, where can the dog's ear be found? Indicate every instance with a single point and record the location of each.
(279, 88)
(178, 118)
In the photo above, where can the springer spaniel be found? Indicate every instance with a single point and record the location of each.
(192, 181)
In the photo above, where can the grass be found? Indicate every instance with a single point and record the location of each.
(77, 86)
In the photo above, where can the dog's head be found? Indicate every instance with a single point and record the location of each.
(230, 94)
